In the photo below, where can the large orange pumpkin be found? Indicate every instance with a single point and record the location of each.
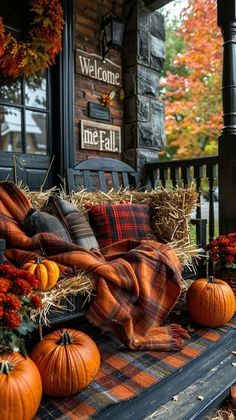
(47, 272)
(210, 302)
(20, 387)
(68, 361)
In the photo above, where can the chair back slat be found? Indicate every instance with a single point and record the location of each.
(87, 180)
(103, 174)
(115, 180)
(125, 180)
(102, 181)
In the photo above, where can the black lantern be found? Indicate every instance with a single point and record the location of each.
(112, 31)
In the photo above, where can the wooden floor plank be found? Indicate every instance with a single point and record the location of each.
(197, 399)
(154, 398)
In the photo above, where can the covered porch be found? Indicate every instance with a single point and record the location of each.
(141, 384)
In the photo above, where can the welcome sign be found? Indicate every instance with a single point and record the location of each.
(91, 65)
(98, 136)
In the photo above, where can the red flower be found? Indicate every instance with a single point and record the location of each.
(223, 250)
(22, 287)
(12, 301)
(2, 297)
(215, 258)
(16, 286)
(36, 301)
(229, 258)
(13, 319)
(31, 279)
(214, 250)
(5, 285)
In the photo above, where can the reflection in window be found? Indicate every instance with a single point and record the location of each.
(35, 92)
(10, 129)
(10, 90)
(36, 132)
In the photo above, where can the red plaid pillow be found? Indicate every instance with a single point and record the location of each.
(112, 223)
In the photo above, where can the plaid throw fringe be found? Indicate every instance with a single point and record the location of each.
(137, 283)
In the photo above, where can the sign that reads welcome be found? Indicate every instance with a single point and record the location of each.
(91, 65)
(97, 136)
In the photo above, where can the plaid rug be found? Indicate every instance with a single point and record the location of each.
(125, 374)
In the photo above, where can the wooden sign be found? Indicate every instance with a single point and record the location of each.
(91, 65)
(98, 136)
(98, 112)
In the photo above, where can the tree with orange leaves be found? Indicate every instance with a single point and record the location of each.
(192, 84)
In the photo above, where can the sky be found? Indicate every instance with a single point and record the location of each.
(173, 9)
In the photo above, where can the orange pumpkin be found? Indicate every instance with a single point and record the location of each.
(67, 360)
(47, 272)
(20, 387)
(210, 302)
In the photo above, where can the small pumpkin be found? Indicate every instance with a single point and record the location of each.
(47, 272)
(68, 361)
(20, 387)
(210, 302)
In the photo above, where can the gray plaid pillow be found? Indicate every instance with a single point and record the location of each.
(40, 221)
(73, 219)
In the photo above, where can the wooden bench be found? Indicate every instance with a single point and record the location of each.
(102, 174)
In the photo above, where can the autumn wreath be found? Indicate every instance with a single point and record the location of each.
(18, 58)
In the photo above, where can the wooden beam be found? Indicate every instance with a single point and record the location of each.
(156, 4)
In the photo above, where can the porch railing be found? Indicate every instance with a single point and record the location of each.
(203, 171)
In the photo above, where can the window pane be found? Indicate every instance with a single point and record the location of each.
(12, 13)
(10, 129)
(35, 92)
(36, 132)
(10, 90)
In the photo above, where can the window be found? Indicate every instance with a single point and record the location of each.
(24, 103)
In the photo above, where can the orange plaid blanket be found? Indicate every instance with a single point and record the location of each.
(137, 283)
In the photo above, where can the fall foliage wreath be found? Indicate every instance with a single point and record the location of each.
(18, 58)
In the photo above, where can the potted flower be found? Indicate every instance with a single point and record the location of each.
(20, 381)
(222, 253)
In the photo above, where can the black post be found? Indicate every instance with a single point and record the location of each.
(227, 139)
(63, 98)
(2, 249)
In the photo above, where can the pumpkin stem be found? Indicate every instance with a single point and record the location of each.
(5, 367)
(211, 279)
(38, 260)
(65, 339)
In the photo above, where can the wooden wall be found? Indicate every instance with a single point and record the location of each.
(87, 37)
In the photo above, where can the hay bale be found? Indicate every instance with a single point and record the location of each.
(39, 198)
(170, 212)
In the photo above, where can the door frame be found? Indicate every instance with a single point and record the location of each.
(63, 99)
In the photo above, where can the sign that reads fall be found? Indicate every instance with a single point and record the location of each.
(91, 65)
(97, 136)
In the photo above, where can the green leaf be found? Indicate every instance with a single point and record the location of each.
(25, 327)
(22, 348)
(26, 300)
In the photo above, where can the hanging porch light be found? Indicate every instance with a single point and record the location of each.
(112, 31)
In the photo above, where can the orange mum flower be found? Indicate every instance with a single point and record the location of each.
(5, 285)
(13, 319)
(12, 301)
